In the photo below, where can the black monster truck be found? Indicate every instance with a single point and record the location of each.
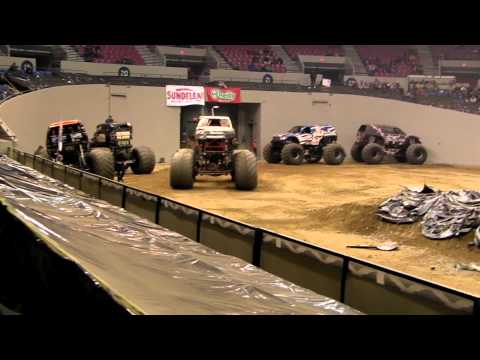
(67, 142)
(117, 139)
(375, 141)
(309, 143)
(214, 154)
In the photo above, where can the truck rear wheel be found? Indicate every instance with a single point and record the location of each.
(270, 156)
(373, 153)
(292, 154)
(245, 170)
(356, 152)
(100, 161)
(334, 154)
(416, 154)
(144, 160)
(181, 169)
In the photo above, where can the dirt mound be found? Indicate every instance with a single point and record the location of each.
(361, 219)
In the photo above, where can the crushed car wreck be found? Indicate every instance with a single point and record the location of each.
(445, 214)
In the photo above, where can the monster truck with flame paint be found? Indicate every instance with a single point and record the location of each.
(307, 142)
(214, 154)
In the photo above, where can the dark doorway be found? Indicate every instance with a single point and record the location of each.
(188, 116)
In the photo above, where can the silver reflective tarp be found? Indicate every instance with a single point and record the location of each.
(145, 267)
(445, 213)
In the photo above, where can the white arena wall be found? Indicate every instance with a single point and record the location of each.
(450, 136)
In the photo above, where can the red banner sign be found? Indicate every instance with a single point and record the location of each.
(223, 95)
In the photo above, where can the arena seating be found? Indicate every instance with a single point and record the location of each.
(455, 52)
(241, 56)
(389, 60)
(113, 54)
(5, 91)
(317, 50)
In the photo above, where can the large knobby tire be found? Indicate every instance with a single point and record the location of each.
(356, 152)
(373, 153)
(270, 156)
(144, 160)
(100, 161)
(245, 170)
(292, 154)
(333, 154)
(181, 169)
(416, 154)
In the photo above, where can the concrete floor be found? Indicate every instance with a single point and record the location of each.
(334, 206)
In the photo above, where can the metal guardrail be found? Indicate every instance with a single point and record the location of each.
(260, 235)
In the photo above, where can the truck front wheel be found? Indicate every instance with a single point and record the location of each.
(292, 154)
(245, 170)
(181, 169)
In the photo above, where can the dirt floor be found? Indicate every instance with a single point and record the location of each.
(334, 206)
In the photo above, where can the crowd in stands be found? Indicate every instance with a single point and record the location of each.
(263, 60)
(90, 53)
(251, 57)
(5, 92)
(113, 54)
(315, 50)
(455, 96)
(400, 66)
(455, 52)
(462, 97)
(385, 87)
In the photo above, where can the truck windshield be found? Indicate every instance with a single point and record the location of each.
(214, 122)
(295, 129)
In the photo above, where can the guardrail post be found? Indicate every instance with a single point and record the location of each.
(124, 196)
(199, 224)
(34, 161)
(343, 283)
(257, 247)
(100, 188)
(157, 210)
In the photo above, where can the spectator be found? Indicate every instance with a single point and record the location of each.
(98, 52)
(313, 79)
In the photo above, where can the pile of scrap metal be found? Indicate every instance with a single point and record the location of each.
(445, 213)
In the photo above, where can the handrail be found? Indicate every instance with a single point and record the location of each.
(260, 232)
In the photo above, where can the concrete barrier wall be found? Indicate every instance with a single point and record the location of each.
(155, 124)
(256, 76)
(113, 69)
(172, 50)
(450, 136)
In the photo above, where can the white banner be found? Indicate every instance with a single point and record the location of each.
(185, 95)
(326, 82)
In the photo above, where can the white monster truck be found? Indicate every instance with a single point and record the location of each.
(214, 154)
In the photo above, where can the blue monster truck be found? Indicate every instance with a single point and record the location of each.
(307, 142)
